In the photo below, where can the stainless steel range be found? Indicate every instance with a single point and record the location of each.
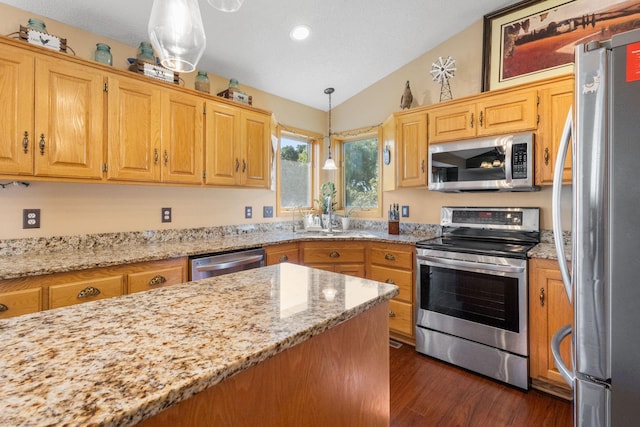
(472, 290)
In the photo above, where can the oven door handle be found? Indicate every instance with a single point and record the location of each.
(443, 262)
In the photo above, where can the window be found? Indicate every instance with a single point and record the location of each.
(295, 171)
(361, 173)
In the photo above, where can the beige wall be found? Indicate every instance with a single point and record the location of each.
(69, 208)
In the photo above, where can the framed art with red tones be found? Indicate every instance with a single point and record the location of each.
(536, 39)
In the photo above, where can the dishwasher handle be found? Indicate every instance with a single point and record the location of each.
(230, 264)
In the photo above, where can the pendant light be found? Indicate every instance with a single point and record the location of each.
(226, 5)
(329, 165)
(177, 33)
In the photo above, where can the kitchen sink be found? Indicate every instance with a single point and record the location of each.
(335, 233)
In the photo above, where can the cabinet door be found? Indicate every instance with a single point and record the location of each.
(287, 252)
(451, 123)
(86, 290)
(69, 119)
(133, 142)
(509, 112)
(16, 111)
(412, 150)
(20, 302)
(222, 144)
(555, 101)
(549, 310)
(255, 137)
(182, 138)
(401, 318)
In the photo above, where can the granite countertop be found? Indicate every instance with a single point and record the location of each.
(63, 259)
(120, 360)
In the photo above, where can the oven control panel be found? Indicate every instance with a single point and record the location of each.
(491, 218)
(487, 217)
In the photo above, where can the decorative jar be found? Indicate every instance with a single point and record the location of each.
(37, 25)
(145, 53)
(103, 54)
(233, 84)
(202, 82)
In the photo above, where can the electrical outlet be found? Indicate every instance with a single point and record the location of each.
(248, 212)
(267, 211)
(31, 218)
(166, 214)
(405, 211)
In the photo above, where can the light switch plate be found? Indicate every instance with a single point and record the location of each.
(267, 211)
(31, 218)
(166, 214)
(405, 211)
(248, 212)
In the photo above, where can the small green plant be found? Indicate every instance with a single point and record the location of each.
(327, 189)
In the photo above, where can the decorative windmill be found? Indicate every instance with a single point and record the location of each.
(441, 71)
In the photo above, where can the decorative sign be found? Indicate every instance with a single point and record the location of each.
(158, 72)
(242, 97)
(633, 62)
(45, 40)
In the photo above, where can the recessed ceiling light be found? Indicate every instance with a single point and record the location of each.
(300, 32)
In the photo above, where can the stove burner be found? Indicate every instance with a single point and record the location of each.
(482, 247)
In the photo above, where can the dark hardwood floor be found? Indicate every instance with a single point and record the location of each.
(427, 392)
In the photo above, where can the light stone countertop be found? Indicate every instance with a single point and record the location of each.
(117, 361)
(63, 260)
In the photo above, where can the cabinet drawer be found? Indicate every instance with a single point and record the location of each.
(21, 302)
(392, 257)
(401, 317)
(84, 291)
(147, 280)
(401, 278)
(287, 252)
(332, 253)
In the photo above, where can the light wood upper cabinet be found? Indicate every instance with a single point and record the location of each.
(133, 146)
(69, 119)
(549, 310)
(411, 149)
(16, 111)
(182, 137)
(555, 100)
(488, 114)
(237, 146)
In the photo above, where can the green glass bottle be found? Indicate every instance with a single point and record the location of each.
(202, 82)
(103, 54)
(37, 25)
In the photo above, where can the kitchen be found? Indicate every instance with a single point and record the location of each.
(78, 208)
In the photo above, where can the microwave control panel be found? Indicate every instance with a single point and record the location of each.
(519, 161)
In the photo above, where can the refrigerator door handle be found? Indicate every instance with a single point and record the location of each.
(557, 338)
(555, 203)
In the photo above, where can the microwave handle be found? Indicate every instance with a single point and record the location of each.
(555, 203)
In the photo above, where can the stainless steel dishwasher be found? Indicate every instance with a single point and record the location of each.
(203, 266)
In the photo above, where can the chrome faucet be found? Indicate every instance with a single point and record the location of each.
(329, 212)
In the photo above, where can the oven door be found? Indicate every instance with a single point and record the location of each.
(476, 297)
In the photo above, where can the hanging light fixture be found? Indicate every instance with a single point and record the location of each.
(177, 33)
(226, 5)
(329, 165)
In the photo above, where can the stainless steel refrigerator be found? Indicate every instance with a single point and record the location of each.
(604, 282)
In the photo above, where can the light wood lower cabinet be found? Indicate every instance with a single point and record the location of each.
(285, 252)
(394, 263)
(20, 302)
(549, 310)
(31, 294)
(340, 257)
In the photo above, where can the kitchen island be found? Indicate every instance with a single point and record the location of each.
(280, 345)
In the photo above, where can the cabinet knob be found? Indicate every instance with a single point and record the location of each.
(25, 142)
(392, 313)
(87, 292)
(334, 254)
(480, 119)
(422, 165)
(237, 165)
(244, 165)
(541, 297)
(166, 158)
(3, 308)
(157, 280)
(546, 156)
(390, 281)
(471, 121)
(389, 257)
(284, 258)
(156, 156)
(42, 143)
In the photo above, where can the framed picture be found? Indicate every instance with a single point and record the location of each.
(536, 39)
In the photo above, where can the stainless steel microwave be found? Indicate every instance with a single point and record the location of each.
(498, 163)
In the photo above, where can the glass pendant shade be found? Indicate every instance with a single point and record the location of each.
(226, 5)
(330, 165)
(177, 33)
